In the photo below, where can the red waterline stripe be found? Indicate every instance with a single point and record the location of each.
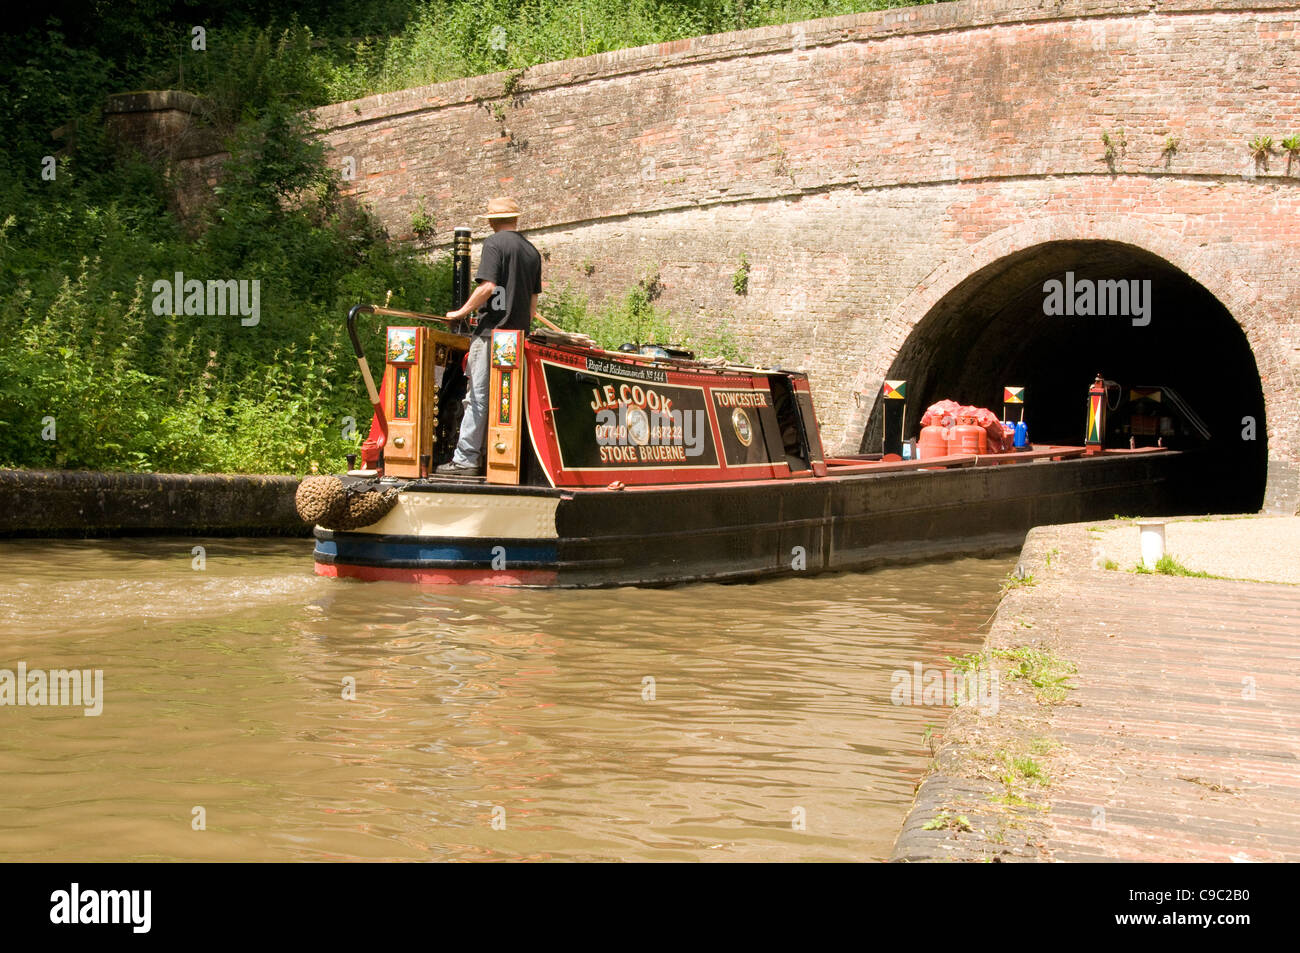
(440, 577)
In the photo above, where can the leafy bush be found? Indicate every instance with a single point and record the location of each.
(449, 39)
(83, 356)
(86, 360)
(634, 319)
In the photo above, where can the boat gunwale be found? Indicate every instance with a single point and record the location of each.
(835, 473)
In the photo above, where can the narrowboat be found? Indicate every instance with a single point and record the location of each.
(650, 466)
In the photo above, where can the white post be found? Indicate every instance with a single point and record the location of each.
(1152, 536)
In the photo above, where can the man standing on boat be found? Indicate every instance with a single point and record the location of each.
(509, 280)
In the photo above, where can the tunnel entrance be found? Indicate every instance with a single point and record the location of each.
(994, 330)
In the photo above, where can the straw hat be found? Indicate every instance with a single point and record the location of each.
(502, 208)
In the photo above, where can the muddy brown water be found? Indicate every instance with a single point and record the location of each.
(703, 722)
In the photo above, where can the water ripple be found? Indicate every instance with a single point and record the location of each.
(316, 719)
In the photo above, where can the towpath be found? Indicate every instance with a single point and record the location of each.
(1179, 736)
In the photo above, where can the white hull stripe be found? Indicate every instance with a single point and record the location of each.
(469, 515)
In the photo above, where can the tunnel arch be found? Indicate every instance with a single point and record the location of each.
(978, 322)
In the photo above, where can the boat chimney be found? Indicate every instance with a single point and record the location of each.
(460, 269)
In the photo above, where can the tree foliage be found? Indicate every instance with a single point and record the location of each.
(85, 359)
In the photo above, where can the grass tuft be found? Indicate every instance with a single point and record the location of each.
(1047, 673)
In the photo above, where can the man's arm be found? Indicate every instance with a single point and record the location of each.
(478, 299)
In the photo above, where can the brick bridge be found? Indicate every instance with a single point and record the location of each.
(902, 184)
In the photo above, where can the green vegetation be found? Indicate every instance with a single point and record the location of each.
(437, 41)
(1109, 564)
(977, 677)
(1116, 143)
(1018, 768)
(1291, 146)
(95, 377)
(947, 820)
(1044, 671)
(740, 279)
(1022, 769)
(1167, 565)
(422, 223)
(1018, 579)
(1261, 147)
(967, 664)
(928, 739)
(635, 319)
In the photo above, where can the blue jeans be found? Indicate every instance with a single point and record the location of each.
(473, 426)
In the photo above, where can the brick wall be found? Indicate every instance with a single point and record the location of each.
(868, 164)
(165, 127)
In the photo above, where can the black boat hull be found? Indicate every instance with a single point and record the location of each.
(654, 536)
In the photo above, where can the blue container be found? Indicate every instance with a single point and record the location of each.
(1022, 435)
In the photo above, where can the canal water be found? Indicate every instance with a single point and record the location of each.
(253, 711)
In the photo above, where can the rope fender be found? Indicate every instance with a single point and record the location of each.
(327, 501)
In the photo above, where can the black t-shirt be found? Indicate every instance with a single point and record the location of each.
(511, 263)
